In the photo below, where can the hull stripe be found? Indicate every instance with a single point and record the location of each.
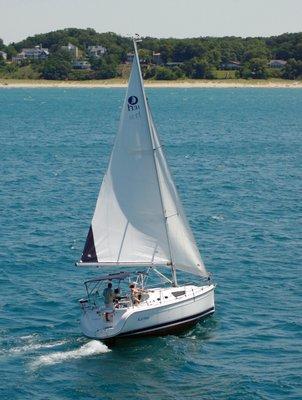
(169, 324)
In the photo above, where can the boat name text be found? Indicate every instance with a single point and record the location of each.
(142, 318)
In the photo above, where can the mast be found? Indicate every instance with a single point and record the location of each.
(174, 276)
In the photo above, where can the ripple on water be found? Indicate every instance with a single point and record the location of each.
(236, 157)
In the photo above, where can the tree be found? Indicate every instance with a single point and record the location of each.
(246, 72)
(214, 58)
(105, 67)
(11, 51)
(258, 66)
(200, 56)
(56, 67)
(166, 50)
(164, 74)
(256, 48)
(198, 68)
(145, 55)
(292, 70)
(2, 62)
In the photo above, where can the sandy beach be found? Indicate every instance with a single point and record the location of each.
(121, 83)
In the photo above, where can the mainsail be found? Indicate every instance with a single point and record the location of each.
(139, 219)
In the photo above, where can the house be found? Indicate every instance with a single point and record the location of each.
(3, 55)
(231, 65)
(18, 58)
(81, 64)
(277, 63)
(35, 53)
(156, 58)
(96, 51)
(72, 50)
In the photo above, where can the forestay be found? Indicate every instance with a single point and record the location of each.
(138, 217)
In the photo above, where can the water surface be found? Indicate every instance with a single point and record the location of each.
(236, 157)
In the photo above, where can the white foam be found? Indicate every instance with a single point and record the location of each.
(218, 217)
(28, 337)
(91, 348)
(36, 346)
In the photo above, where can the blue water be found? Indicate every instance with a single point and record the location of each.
(236, 157)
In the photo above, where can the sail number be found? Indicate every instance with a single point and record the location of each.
(135, 116)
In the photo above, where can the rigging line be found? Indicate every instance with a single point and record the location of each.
(154, 252)
(153, 136)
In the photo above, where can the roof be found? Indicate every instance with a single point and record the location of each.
(109, 277)
(232, 62)
(282, 62)
(97, 47)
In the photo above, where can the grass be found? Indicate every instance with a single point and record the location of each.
(221, 74)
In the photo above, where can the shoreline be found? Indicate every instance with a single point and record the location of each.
(122, 83)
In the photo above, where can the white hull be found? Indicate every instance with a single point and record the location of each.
(161, 311)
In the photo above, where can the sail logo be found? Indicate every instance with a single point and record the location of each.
(132, 103)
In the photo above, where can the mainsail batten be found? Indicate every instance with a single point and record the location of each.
(138, 217)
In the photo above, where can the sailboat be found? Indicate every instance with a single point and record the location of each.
(139, 222)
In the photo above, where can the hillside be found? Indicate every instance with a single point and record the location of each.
(68, 55)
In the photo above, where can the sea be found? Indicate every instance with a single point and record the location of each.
(235, 154)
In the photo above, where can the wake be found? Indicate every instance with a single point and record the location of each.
(36, 346)
(91, 348)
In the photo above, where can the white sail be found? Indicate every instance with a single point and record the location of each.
(138, 217)
(128, 225)
(185, 254)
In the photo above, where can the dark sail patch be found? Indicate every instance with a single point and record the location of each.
(89, 253)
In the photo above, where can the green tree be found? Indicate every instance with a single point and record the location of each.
(259, 69)
(164, 74)
(145, 55)
(11, 51)
(255, 68)
(2, 62)
(198, 68)
(293, 69)
(200, 55)
(166, 50)
(56, 67)
(105, 67)
(246, 72)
